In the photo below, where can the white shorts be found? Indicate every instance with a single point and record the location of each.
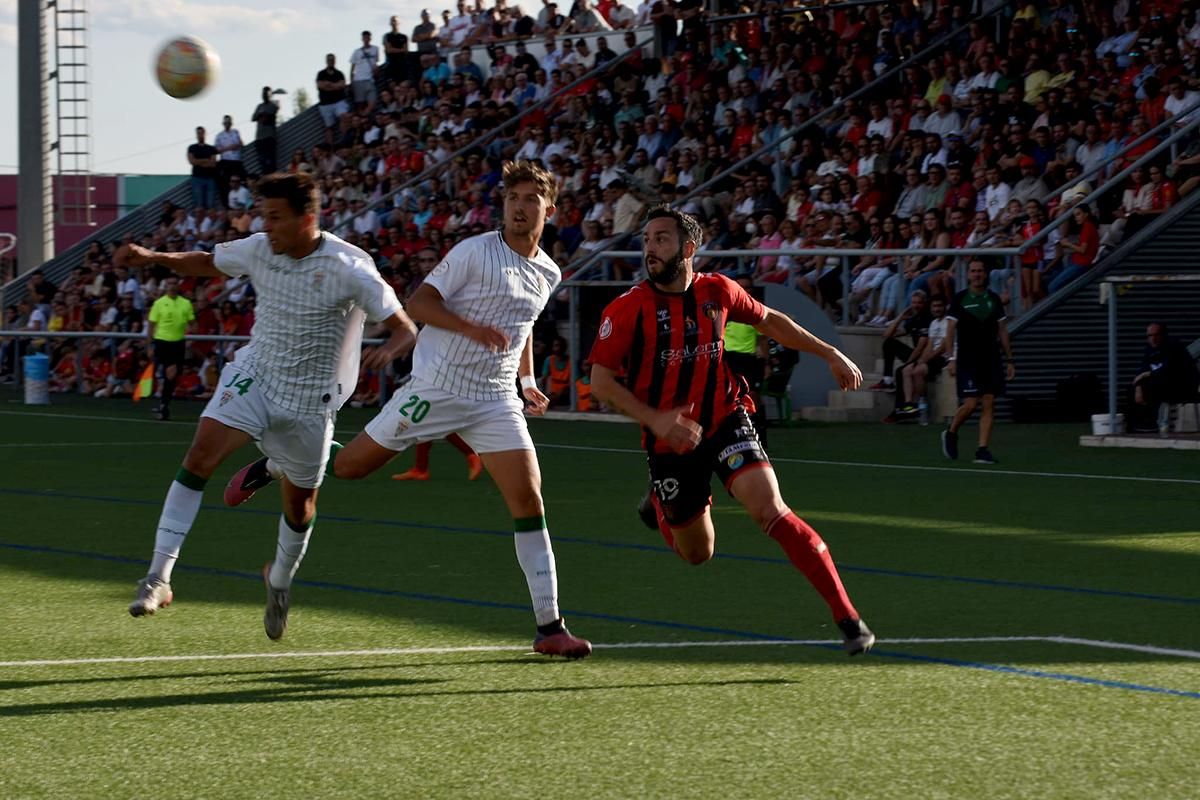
(298, 443)
(419, 412)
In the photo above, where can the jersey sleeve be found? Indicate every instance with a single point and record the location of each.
(455, 270)
(371, 293)
(189, 314)
(615, 337)
(238, 257)
(998, 313)
(154, 314)
(742, 307)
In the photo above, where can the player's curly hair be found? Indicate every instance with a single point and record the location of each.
(526, 171)
(689, 228)
(297, 188)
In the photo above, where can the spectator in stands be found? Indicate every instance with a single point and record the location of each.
(364, 63)
(264, 117)
(1167, 374)
(912, 323)
(203, 158)
(229, 147)
(239, 196)
(331, 95)
(556, 374)
(1081, 248)
(395, 53)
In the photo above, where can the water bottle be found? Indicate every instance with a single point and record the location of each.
(923, 411)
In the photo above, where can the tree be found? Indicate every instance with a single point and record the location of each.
(300, 101)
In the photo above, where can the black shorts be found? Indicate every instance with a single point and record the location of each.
(168, 354)
(975, 379)
(682, 482)
(935, 366)
(746, 365)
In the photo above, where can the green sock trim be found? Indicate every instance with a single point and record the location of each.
(303, 527)
(191, 480)
(333, 451)
(526, 524)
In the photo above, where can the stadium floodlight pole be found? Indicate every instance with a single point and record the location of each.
(864, 90)
(35, 233)
(433, 171)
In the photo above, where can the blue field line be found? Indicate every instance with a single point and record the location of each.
(667, 624)
(392, 523)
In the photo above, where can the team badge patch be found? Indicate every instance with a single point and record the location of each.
(710, 310)
(735, 461)
(402, 427)
(226, 396)
(606, 328)
(441, 268)
(318, 279)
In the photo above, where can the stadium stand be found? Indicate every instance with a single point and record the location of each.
(780, 126)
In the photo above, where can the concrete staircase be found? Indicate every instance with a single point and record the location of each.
(864, 346)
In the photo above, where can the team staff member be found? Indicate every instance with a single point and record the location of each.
(169, 319)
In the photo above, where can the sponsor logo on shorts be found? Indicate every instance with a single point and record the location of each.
(735, 461)
(402, 427)
(606, 328)
(740, 447)
(226, 396)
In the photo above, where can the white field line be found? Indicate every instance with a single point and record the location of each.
(415, 651)
(40, 445)
(809, 461)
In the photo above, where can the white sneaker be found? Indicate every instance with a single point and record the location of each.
(275, 618)
(152, 594)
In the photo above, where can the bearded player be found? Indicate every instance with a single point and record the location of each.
(665, 337)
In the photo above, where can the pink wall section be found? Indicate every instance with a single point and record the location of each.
(105, 196)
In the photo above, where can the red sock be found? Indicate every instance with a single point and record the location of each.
(422, 462)
(462, 446)
(806, 550)
(664, 527)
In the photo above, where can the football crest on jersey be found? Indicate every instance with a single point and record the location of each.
(710, 309)
(606, 328)
(318, 279)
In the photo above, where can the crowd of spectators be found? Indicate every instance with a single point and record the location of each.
(973, 145)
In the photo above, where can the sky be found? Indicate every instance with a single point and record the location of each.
(136, 128)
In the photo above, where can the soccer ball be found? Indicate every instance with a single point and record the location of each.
(186, 66)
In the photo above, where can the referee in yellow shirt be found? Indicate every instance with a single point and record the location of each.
(169, 318)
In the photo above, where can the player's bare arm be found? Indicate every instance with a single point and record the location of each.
(428, 306)
(670, 425)
(198, 264)
(784, 330)
(534, 397)
(402, 340)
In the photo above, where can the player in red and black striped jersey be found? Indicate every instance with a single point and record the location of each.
(664, 337)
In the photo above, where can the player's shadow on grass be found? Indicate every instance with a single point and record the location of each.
(313, 689)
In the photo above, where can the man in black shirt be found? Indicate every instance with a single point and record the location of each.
(264, 133)
(395, 52)
(203, 158)
(982, 358)
(1167, 375)
(331, 95)
(424, 36)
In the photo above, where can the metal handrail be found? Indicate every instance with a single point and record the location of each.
(433, 171)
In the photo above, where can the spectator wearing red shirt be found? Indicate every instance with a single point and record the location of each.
(1082, 248)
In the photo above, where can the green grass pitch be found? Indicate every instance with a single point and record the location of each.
(1039, 627)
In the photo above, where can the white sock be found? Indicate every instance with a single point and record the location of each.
(178, 514)
(537, 561)
(289, 552)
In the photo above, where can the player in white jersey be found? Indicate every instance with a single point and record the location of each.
(285, 387)
(478, 305)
